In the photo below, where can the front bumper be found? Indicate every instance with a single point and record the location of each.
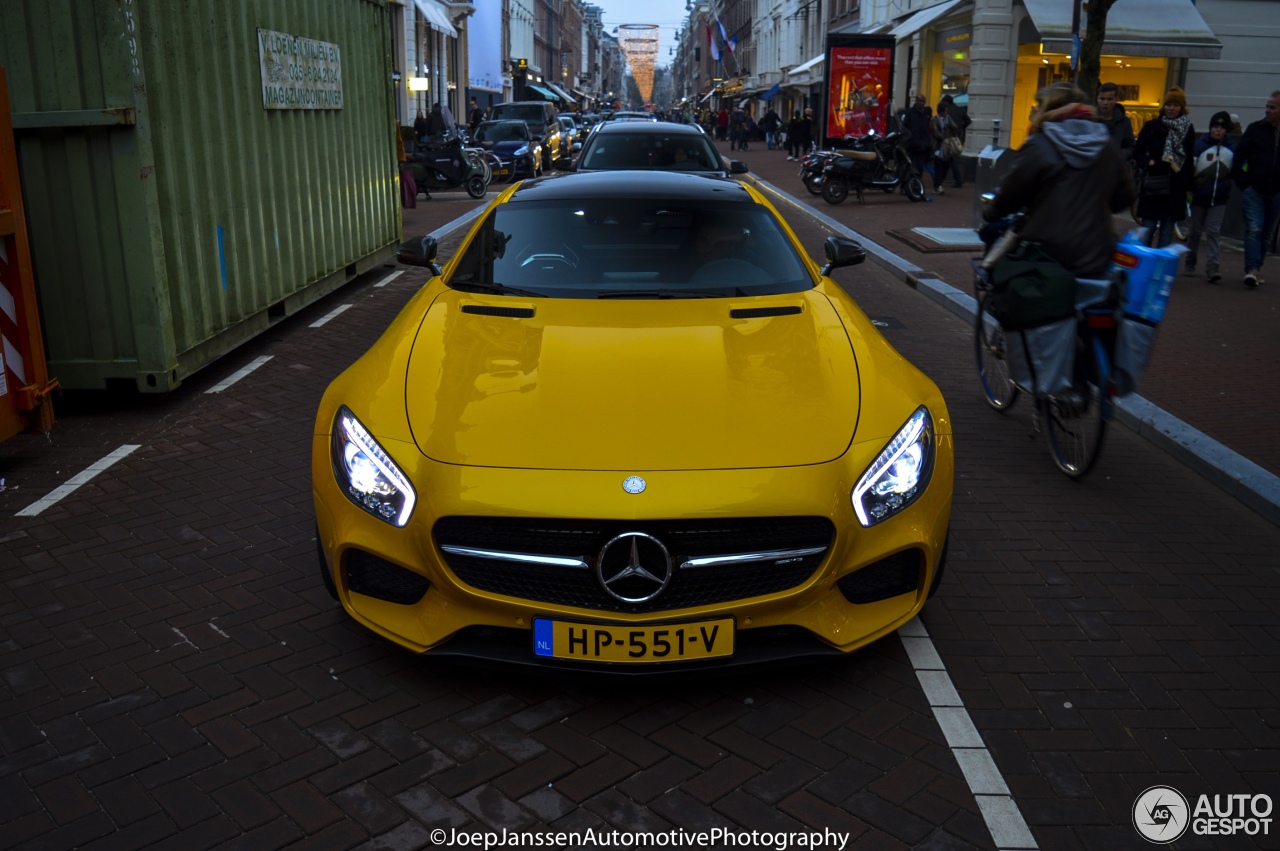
(454, 619)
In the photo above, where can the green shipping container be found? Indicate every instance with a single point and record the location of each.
(194, 171)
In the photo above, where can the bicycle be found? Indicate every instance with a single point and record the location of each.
(1075, 421)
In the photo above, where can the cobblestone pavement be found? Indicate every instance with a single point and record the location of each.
(174, 675)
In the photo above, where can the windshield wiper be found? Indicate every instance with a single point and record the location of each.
(499, 289)
(668, 293)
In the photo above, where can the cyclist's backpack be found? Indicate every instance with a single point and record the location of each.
(1029, 289)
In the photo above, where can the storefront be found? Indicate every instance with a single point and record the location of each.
(1144, 41)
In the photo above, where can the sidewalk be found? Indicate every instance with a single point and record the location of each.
(1216, 366)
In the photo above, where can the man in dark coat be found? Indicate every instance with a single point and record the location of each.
(1112, 114)
(1256, 170)
(916, 122)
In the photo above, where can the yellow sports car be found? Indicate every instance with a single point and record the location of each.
(631, 427)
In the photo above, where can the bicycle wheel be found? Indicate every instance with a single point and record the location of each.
(1076, 422)
(993, 369)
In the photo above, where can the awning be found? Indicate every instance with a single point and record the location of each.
(1171, 28)
(924, 17)
(436, 17)
(808, 66)
(560, 93)
(547, 94)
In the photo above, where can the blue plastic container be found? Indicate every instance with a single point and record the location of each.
(1148, 275)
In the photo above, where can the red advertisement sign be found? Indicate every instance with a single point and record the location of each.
(858, 90)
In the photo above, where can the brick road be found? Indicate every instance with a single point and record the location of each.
(174, 675)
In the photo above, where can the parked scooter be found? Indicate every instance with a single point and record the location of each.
(444, 163)
(812, 165)
(875, 162)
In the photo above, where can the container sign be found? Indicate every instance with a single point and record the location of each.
(299, 73)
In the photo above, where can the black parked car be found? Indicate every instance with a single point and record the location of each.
(653, 145)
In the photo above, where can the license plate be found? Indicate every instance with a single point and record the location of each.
(591, 642)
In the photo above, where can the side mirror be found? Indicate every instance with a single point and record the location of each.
(842, 252)
(421, 251)
(737, 167)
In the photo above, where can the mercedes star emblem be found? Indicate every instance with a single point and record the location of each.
(634, 567)
(633, 484)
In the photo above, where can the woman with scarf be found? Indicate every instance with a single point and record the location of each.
(1165, 153)
(1069, 178)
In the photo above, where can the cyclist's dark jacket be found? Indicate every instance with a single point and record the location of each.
(1070, 178)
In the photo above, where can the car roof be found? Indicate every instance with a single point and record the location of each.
(676, 186)
(653, 127)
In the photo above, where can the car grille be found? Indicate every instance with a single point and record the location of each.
(889, 577)
(375, 577)
(684, 539)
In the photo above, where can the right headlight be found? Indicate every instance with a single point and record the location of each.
(366, 473)
(900, 472)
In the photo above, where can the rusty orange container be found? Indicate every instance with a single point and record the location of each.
(24, 375)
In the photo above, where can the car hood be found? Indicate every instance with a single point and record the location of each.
(508, 147)
(673, 384)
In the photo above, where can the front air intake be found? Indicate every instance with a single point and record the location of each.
(376, 577)
(889, 577)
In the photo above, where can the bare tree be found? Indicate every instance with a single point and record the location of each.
(1091, 47)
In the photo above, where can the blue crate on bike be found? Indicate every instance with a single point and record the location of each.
(1146, 277)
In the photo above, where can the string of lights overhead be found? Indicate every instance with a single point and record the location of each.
(639, 43)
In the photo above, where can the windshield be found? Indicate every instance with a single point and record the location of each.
(527, 112)
(502, 131)
(674, 152)
(632, 248)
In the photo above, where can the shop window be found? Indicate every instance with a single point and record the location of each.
(1142, 82)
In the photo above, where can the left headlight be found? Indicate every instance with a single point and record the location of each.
(899, 474)
(521, 151)
(366, 473)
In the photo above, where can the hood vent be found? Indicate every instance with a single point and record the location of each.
(494, 310)
(758, 312)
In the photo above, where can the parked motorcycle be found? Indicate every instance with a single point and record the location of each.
(812, 165)
(875, 162)
(445, 164)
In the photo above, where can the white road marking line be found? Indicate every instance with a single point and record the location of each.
(57, 494)
(238, 374)
(388, 279)
(1008, 828)
(337, 310)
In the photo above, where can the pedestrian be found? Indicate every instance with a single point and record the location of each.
(769, 123)
(420, 126)
(1214, 155)
(1111, 113)
(1165, 152)
(437, 126)
(1256, 170)
(799, 135)
(793, 132)
(474, 116)
(944, 135)
(737, 130)
(1070, 179)
(916, 122)
(808, 133)
(722, 123)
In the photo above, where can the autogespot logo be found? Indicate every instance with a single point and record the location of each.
(1160, 814)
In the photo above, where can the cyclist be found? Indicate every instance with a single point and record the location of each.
(1070, 177)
